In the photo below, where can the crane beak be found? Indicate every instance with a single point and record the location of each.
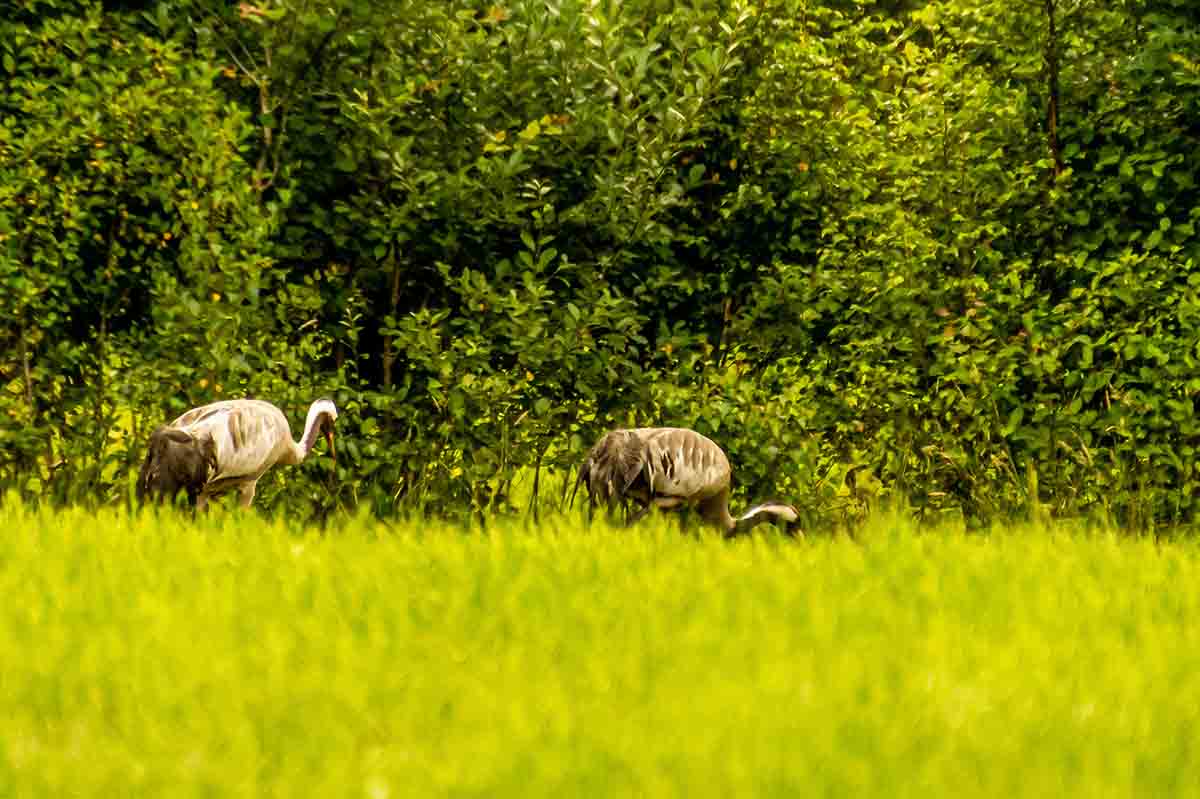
(329, 439)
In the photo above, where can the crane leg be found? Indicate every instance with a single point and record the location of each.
(662, 503)
(246, 494)
(637, 517)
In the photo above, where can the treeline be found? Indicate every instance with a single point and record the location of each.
(940, 253)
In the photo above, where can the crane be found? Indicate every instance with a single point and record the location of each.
(670, 468)
(236, 441)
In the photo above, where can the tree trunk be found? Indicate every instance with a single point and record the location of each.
(389, 347)
(1052, 105)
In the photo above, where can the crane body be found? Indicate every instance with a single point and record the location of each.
(669, 468)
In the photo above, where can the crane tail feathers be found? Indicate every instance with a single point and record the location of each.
(175, 460)
(611, 468)
(580, 478)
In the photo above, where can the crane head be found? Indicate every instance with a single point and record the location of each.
(321, 416)
(774, 511)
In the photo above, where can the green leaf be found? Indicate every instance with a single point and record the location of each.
(1014, 420)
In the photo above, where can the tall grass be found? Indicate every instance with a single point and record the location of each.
(233, 656)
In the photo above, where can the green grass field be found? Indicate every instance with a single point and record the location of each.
(151, 656)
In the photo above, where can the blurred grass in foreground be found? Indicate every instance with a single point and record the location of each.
(233, 656)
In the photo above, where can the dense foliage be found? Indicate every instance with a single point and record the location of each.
(939, 252)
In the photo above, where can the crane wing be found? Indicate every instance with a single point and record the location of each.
(684, 463)
(611, 467)
(247, 435)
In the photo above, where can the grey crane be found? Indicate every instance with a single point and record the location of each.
(228, 445)
(670, 468)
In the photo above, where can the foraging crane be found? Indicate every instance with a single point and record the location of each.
(239, 440)
(669, 468)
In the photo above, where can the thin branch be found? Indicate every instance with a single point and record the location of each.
(1052, 105)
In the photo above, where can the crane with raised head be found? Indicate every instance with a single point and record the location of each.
(670, 468)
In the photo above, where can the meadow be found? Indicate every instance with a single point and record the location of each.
(152, 655)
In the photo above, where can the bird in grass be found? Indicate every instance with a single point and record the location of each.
(226, 446)
(670, 468)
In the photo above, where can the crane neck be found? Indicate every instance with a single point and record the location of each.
(731, 525)
(305, 444)
(774, 512)
(312, 426)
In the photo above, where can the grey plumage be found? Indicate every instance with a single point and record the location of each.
(668, 468)
(175, 461)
